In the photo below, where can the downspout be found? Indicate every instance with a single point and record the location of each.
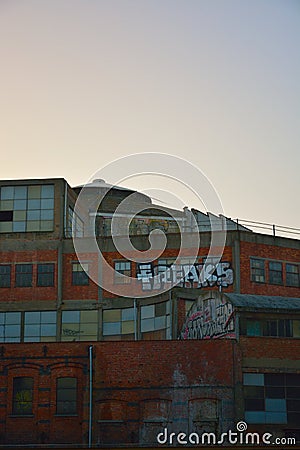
(90, 394)
(135, 319)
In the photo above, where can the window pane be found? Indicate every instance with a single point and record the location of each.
(147, 311)
(33, 225)
(34, 204)
(34, 191)
(89, 316)
(254, 328)
(20, 204)
(127, 314)
(48, 329)
(47, 204)
(111, 328)
(274, 379)
(12, 331)
(293, 379)
(34, 214)
(254, 379)
(47, 191)
(19, 216)
(20, 192)
(275, 392)
(13, 317)
(254, 392)
(32, 330)
(7, 193)
(70, 316)
(48, 317)
(47, 214)
(254, 405)
(19, 227)
(32, 317)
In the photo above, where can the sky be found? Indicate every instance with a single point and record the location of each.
(215, 82)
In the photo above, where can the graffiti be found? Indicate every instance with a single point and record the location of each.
(136, 226)
(70, 332)
(195, 275)
(209, 320)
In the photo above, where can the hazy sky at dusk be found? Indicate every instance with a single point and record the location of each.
(83, 82)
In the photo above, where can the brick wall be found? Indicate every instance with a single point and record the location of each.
(136, 384)
(268, 252)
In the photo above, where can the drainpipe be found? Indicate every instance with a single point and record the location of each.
(90, 395)
(135, 319)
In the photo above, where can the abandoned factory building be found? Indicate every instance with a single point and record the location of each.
(192, 343)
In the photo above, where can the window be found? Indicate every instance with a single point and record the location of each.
(75, 224)
(5, 271)
(40, 326)
(122, 268)
(156, 317)
(254, 328)
(118, 322)
(79, 325)
(66, 396)
(23, 275)
(292, 275)
(257, 267)
(272, 398)
(79, 274)
(10, 326)
(45, 275)
(22, 396)
(275, 272)
(26, 208)
(270, 327)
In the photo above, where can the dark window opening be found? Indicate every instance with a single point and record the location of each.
(79, 274)
(22, 396)
(23, 275)
(5, 271)
(6, 216)
(66, 396)
(45, 275)
(275, 272)
(292, 275)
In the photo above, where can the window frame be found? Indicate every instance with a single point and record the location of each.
(257, 271)
(119, 279)
(8, 323)
(41, 336)
(47, 272)
(290, 273)
(73, 412)
(82, 279)
(275, 390)
(4, 276)
(22, 412)
(18, 275)
(274, 273)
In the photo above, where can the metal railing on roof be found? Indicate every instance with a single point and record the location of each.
(274, 230)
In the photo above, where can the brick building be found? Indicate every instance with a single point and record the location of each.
(52, 313)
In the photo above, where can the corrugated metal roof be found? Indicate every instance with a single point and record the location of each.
(248, 301)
